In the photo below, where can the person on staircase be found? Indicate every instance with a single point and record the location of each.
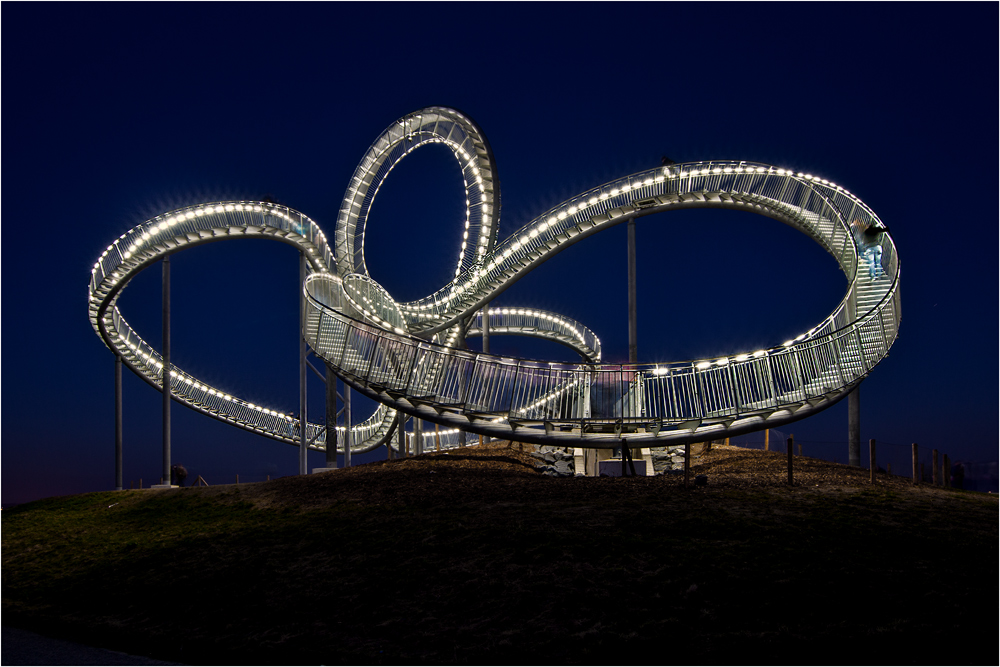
(869, 238)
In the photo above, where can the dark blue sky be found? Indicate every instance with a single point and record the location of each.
(115, 113)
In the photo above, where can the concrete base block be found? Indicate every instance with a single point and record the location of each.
(316, 470)
(164, 486)
(613, 468)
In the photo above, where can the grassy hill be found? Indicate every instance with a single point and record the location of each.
(473, 557)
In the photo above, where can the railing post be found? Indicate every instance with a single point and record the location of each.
(916, 467)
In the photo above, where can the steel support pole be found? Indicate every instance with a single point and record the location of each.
(331, 418)
(633, 336)
(486, 328)
(118, 422)
(418, 436)
(303, 416)
(348, 436)
(165, 377)
(401, 435)
(871, 461)
(854, 427)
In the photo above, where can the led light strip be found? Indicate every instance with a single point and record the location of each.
(818, 206)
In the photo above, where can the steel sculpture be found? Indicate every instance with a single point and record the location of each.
(410, 357)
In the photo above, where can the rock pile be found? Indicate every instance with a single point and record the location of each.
(554, 461)
(666, 459)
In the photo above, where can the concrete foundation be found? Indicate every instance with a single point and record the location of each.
(587, 462)
(620, 468)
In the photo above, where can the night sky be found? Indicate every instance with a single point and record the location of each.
(115, 113)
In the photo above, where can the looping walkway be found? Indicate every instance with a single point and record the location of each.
(407, 355)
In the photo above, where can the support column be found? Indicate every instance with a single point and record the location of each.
(633, 336)
(854, 427)
(331, 418)
(401, 435)
(348, 436)
(418, 436)
(118, 422)
(303, 416)
(165, 378)
(486, 328)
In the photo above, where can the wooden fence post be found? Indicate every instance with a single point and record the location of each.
(791, 441)
(767, 439)
(437, 437)
(916, 467)
(946, 473)
(934, 467)
(871, 460)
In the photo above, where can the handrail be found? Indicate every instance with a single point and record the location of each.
(380, 347)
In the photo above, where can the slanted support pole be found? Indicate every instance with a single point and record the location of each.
(118, 422)
(331, 418)
(854, 427)
(633, 335)
(165, 378)
(303, 417)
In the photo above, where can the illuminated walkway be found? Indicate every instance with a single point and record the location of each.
(408, 356)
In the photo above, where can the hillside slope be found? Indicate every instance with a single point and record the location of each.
(473, 557)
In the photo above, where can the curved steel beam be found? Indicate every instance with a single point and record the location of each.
(406, 355)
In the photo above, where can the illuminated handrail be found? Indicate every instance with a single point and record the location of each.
(380, 346)
(540, 324)
(193, 225)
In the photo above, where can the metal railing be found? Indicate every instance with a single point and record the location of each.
(371, 341)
